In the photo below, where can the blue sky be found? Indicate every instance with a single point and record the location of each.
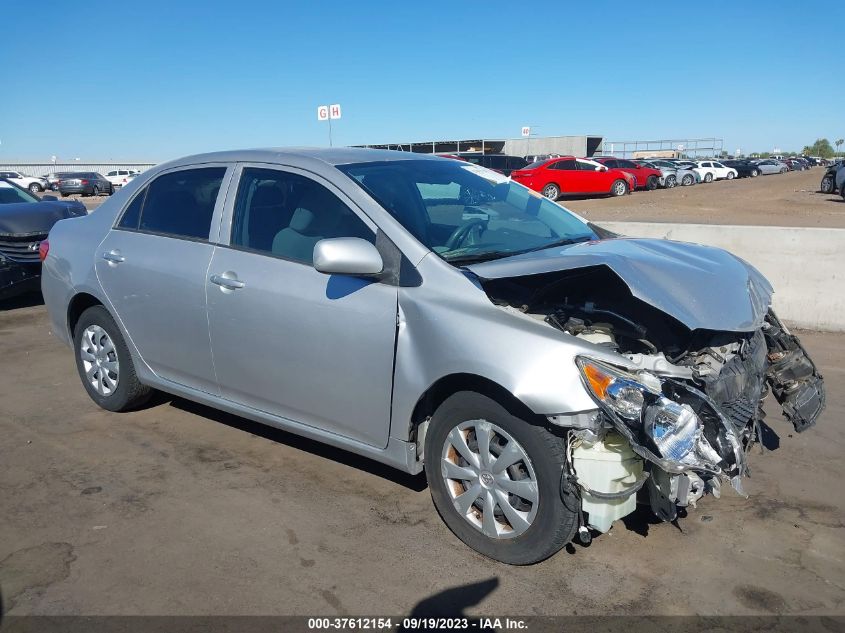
(154, 80)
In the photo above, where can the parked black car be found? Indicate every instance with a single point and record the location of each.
(25, 221)
(829, 178)
(87, 183)
(499, 162)
(744, 168)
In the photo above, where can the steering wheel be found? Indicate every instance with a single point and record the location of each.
(462, 232)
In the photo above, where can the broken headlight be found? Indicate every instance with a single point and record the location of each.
(674, 428)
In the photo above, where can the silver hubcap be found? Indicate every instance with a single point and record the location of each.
(620, 189)
(99, 360)
(550, 192)
(490, 479)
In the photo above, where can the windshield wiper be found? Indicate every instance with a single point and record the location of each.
(477, 258)
(567, 241)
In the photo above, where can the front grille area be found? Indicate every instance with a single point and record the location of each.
(23, 248)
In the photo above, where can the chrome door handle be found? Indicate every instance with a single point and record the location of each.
(226, 282)
(114, 257)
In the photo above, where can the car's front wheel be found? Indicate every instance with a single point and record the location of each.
(670, 182)
(731, 175)
(104, 363)
(551, 191)
(827, 185)
(651, 184)
(687, 180)
(35, 188)
(495, 479)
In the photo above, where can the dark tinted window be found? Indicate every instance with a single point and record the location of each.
(495, 162)
(565, 164)
(610, 163)
(182, 203)
(286, 214)
(515, 162)
(132, 216)
(627, 164)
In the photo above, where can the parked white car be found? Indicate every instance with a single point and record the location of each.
(119, 177)
(710, 170)
(34, 184)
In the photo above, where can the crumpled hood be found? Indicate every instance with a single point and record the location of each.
(701, 286)
(36, 217)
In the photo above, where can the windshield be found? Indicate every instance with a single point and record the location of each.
(464, 212)
(9, 194)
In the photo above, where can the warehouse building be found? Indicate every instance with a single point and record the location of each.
(526, 146)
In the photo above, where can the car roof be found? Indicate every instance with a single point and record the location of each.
(327, 155)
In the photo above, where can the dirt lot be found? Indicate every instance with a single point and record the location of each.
(178, 509)
(791, 199)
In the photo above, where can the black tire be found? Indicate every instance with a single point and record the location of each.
(651, 183)
(35, 188)
(754, 173)
(554, 523)
(828, 184)
(551, 191)
(708, 177)
(111, 190)
(95, 191)
(65, 195)
(688, 180)
(670, 182)
(619, 188)
(129, 392)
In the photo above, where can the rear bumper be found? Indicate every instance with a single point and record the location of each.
(17, 279)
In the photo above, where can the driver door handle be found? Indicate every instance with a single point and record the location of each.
(114, 257)
(226, 282)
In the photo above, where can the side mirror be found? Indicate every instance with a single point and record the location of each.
(49, 198)
(347, 256)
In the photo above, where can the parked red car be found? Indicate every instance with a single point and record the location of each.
(573, 176)
(644, 177)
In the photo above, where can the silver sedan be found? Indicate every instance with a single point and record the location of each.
(432, 315)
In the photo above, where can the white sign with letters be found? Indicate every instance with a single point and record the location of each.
(322, 113)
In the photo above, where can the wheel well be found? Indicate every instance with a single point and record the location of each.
(79, 304)
(437, 393)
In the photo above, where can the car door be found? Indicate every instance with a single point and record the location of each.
(289, 340)
(720, 171)
(635, 170)
(153, 267)
(565, 174)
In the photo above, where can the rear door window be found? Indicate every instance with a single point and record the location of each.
(566, 165)
(181, 203)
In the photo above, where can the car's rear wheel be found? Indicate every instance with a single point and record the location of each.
(495, 480)
(95, 191)
(827, 185)
(104, 363)
(784, 170)
(35, 188)
(111, 190)
(670, 182)
(651, 183)
(708, 177)
(687, 180)
(551, 191)
(619, 188)
(754, 173)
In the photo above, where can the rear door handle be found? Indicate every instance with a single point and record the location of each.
(227, 282)
(114, 257)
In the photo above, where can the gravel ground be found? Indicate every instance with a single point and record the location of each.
(791, 199)
(179, 509)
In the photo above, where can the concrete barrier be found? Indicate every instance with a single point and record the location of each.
(806, 266)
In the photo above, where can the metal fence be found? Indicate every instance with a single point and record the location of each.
(42, 169)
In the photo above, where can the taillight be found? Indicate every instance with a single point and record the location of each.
(43, 249)
(84, 182)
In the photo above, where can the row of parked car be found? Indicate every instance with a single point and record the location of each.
(555, 176)
(90, 183)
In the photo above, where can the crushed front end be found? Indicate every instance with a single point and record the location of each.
(679, 412)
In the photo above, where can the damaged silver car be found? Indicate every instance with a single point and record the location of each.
(433, 315)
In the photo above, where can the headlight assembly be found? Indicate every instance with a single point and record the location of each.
(623, 392)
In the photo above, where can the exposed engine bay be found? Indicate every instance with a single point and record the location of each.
(689, 402)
